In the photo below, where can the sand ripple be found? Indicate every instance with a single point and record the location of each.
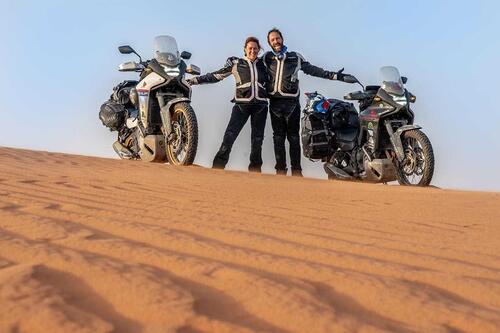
(101, 245)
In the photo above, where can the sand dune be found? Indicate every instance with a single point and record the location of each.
(101, 245)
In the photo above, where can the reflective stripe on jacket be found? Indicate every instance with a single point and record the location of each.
(251, 79)
(283, 72)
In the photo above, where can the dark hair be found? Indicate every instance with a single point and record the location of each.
(276, 30)
(252, 39)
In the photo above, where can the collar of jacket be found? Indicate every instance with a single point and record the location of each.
(245, 57)
(281, 52)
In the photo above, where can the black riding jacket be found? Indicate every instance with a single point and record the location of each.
(283, 72)
(251, 79)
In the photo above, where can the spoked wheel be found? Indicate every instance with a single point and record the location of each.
(417, 167)
(183, 141)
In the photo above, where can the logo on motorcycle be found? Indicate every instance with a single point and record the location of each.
(370, 125)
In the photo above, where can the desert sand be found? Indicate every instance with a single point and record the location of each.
(102, 245)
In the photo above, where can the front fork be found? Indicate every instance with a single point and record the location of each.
(395, 137)
(166, 119)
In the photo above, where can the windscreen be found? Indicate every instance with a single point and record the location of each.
(166, 51)
(391, 80)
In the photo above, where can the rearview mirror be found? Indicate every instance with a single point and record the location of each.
(125, 49)
(350, 79)
(404, 79)
(186, 55)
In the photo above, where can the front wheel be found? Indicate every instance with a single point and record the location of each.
(417, 167)
(183, 141)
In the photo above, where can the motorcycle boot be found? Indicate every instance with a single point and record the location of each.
(255, 168)
(281, 172)
(279, 151)
(222, 157)
(295, 153)
(256, 155)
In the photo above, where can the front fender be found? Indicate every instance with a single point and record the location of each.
(396, 140)
(171, 103)
(165, 113)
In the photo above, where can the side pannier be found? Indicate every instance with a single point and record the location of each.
(315, 135)
(112, 115)
(113, 112)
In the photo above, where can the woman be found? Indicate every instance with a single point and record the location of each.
(250, 101)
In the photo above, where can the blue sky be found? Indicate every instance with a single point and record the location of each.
(60, 62)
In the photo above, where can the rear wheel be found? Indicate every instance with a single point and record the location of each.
(183, 141)
(417, 167)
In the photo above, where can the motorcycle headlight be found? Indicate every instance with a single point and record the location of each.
(401, 100)
(171, 71)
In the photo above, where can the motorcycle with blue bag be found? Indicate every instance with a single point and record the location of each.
(380, 143)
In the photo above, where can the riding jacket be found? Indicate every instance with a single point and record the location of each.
(251, 79)
(283, 72)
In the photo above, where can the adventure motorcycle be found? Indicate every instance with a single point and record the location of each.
(380, 144)
(153, 116)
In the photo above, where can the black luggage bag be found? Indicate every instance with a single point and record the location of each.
(113, 112)
(112, 115)
(315, 135)
(343, 115)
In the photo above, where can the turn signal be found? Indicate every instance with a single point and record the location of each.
(377, 99)
(413, 98)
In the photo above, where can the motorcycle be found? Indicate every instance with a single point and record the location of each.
(159, 122)
(380, 143)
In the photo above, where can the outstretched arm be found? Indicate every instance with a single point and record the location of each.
(216, 76)
(309, 69)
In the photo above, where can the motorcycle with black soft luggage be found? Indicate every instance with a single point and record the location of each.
(379, 144)
(153, 116)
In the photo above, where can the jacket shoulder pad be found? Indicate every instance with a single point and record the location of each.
(299, 55)
(231, 61)
(267, 55)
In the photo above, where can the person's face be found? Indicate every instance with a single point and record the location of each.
(252, 50)
(275, 41)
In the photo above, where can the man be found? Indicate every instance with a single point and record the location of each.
(283, 89)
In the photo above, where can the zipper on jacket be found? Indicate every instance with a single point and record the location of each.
(277, 79)
(252, 77)
(256, 79)
(279, 74)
